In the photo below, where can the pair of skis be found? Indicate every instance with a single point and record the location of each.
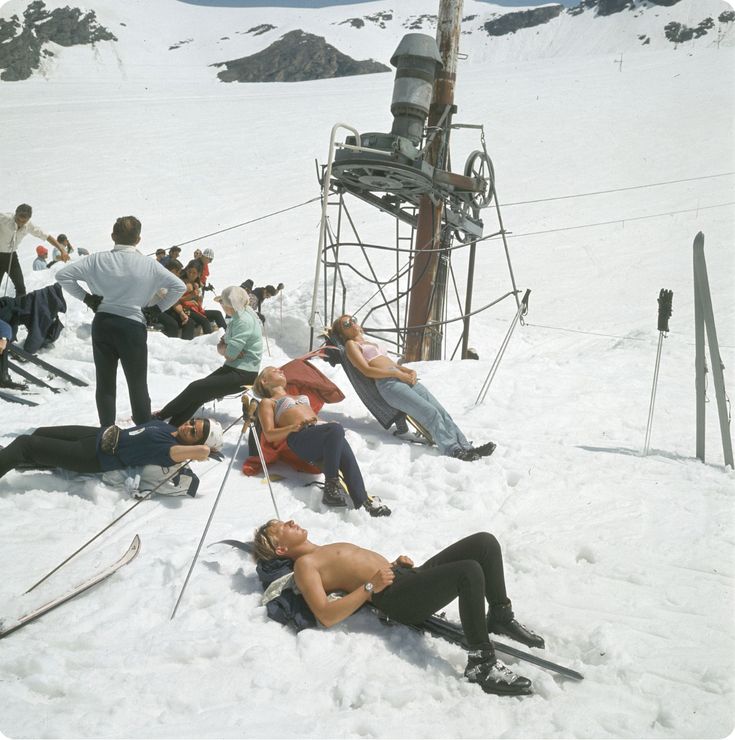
(439, 626)
(101, 575)
(452, 632)
(23, 356)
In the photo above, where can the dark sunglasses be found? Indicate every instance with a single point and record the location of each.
(349, 323)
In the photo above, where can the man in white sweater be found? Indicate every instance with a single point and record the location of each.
(14, 227)
(122, 282)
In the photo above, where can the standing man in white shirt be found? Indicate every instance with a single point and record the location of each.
(122, 281)
(13, 227)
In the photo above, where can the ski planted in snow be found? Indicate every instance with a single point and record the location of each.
(30, 377)
(21, 354)
(12, 398)
(93, 580)
(452, 632)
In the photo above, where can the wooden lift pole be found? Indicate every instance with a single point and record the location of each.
(428, 277)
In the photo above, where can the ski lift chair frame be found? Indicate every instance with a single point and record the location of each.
(336, 353)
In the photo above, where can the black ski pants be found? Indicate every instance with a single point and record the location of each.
(223, 381)
(10, 265)
(470, 570)
(68, 447)
(195, 319)
(216, 317)
(325, 444)
(117, 339)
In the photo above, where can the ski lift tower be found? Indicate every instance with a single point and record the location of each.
(404, 174)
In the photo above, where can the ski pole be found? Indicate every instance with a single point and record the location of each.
(520, 313)
(665, 298)
(10, 267)
(102, 531)
(251, 423)
(206, 527)
(265, 336)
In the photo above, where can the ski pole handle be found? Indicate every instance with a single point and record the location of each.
(665, 298)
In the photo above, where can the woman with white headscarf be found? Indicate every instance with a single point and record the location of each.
(242, 348)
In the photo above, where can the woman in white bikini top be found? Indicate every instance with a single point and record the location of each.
(284, 403)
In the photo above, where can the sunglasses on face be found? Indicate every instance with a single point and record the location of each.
(349, 323)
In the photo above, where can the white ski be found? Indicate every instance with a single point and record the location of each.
(101, 575)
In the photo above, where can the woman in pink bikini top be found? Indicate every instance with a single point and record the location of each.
(399, 387)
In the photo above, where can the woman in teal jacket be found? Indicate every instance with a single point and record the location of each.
(242, 348)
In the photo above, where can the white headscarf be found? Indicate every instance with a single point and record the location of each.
(235, 297)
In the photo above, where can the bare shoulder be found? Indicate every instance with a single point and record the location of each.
(304, 564)
(306, 570)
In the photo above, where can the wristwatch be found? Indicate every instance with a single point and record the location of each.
(369, 587)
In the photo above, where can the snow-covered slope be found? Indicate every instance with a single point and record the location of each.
(179, 41)
(624, 563)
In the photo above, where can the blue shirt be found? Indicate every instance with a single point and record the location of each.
(146, 444)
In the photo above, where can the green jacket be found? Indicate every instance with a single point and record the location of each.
(244, 341)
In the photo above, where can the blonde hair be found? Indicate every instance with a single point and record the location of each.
(259, 386)
(263, 546)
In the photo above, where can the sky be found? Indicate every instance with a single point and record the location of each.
(327, 3)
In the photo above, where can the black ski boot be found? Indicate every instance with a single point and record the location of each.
(494, 677)
(375, 507)
(467, 454)
(6, 382)
(333, 495)
(502, 621)
(485, 450)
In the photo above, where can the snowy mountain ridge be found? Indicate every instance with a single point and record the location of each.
(186, 40)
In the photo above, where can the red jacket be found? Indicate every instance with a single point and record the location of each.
(302, 378)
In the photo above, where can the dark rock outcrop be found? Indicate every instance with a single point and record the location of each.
(379, 19)
(21, 44)
(262, 28)
(678, 33)
(417, 22)
(354, 22)
(296, 56)
(515, 21)
(608, 7)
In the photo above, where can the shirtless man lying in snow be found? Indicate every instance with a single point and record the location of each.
(471, 569)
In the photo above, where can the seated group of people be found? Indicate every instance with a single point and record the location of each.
(42, 262)
(471, 569)
(187, 317)
(258, 295)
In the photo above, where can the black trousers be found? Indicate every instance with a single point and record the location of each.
(224, 381)
(326, 444)
(169, 323)
(10, 265)
(195, 319)
(470, 570)
(216, 316)
(69, 447)
(116, 339)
